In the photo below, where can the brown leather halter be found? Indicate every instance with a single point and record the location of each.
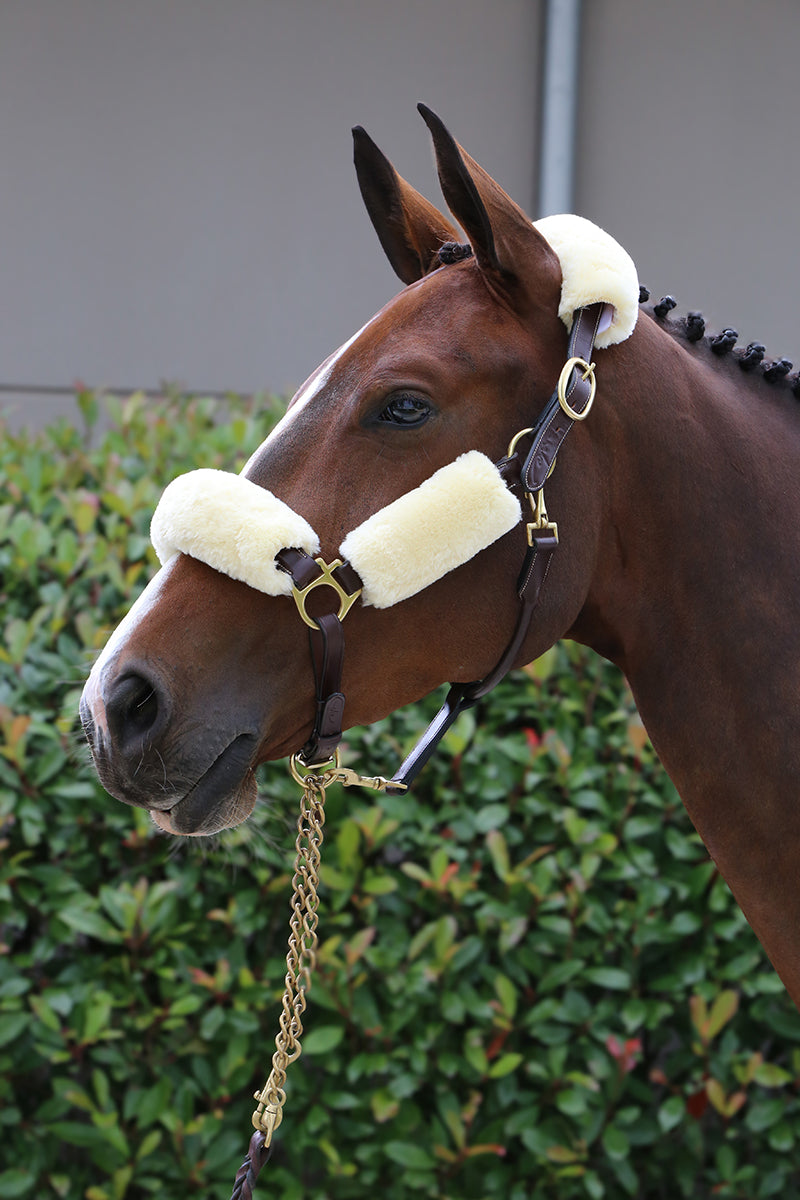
(570, 402)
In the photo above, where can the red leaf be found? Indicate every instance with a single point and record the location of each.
(447, 874)
(697, 1103)
(497, 1043)
(532, 739)
(625, 1056)
(613, 1047)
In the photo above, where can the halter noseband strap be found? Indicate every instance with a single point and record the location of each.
(326, 640)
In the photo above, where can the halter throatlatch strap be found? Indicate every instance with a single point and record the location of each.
(569, 402)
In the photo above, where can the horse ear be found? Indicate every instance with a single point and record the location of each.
(502, 237)
(410, 229)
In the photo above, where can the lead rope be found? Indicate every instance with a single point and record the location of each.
(300, 958)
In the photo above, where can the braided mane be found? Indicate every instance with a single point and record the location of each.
(750, 358)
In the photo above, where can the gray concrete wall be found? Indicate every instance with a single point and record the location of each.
(178, 200)
(177, 197)
(689, 152)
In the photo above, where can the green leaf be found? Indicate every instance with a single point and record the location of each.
(97, 1016)
(770, 1075)
(615, 1142)
(378, 885)
(184, 1005)
(87, 921)
(12, 1025)
(16, 1182)
(410, 1155)
(781, 1138)
(322, 1039)
(90, 1137)
(498, 850)
(491, 816)
(671, 1113)
(763, 1114)
(504, 1065)
(385, 1107)
(44, 1013)
(149, 1143)
(506, 994)
(612, 978)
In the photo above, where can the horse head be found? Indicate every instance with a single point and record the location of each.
(395, 456)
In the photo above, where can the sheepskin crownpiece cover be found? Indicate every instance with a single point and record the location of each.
(594, 268)
(238, 527)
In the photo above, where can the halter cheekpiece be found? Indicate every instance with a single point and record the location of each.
(244, 531)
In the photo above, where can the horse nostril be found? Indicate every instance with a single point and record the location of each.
(135, 710)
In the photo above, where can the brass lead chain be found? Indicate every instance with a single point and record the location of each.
(301, 955)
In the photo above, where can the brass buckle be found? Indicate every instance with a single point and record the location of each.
(326, 579)
(563, 380)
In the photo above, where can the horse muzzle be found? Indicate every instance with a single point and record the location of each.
(190, 786)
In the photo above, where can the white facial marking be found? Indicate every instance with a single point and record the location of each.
(93, 690)
(311, 388)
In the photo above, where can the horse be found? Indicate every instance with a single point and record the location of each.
(669, 541)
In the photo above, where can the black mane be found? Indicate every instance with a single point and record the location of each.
(453, 252)
(750, 358)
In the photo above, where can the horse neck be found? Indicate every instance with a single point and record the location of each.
(694, 597)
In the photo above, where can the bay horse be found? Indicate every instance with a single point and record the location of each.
(678, 541)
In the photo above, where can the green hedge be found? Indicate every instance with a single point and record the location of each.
(531, 983)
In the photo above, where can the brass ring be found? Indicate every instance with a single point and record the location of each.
(326, 579)
(563, 380)
(513, 443)
(296, 765)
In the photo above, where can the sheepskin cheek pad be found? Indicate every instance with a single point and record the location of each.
(231, 524)
(444, 522)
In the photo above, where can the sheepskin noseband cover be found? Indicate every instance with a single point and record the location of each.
(233, 525)
(237, 527)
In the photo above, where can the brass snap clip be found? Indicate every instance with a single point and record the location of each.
(563, 381)
(540, 520)
(326, 579)
(332, 771)
(268, 1116)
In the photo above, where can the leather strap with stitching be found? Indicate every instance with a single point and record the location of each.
(554, 424)
(327, 655)
(547, 438)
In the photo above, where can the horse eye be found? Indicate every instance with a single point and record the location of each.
(406, 410)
